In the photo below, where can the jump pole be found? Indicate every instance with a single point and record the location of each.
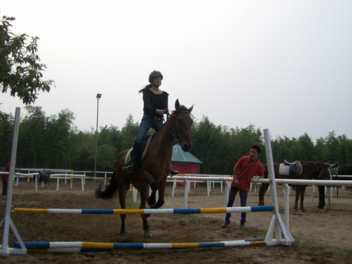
(221, 210)
(59, 247)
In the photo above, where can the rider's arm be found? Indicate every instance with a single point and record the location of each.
(148, 108)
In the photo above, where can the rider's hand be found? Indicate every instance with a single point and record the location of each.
(160, 112)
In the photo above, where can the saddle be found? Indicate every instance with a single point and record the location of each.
(142, 149)
(292, 169)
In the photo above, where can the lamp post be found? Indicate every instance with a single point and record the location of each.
(96, 138)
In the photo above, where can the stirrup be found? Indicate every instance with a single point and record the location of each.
(128, 168)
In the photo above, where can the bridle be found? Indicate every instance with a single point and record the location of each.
(319, 172)
(175, 134)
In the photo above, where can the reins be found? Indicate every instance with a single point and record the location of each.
(319, 172)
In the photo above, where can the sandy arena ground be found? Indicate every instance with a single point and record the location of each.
(321, 236)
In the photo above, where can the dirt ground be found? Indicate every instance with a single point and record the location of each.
(321, 236)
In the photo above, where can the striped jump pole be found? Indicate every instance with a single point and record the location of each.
(60, 247)
(149, 211)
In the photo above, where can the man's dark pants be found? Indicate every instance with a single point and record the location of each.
(243, 199)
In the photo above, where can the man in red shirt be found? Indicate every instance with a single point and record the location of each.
(5, 178)
(244, 170)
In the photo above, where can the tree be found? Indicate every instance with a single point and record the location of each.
(20, 70)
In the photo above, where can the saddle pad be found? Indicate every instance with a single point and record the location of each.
(128, 156)
(284, 169)
(334, 171)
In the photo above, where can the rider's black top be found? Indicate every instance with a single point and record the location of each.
(154, 101)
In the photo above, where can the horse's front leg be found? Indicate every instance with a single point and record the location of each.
(303, 189)
(161, 189)
(153, 185)
(321, 197)
(144, 192)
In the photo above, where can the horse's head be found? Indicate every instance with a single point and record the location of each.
(182, 125)
(324, 170)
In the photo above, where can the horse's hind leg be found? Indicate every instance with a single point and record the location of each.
(303, 190)
(123, 186)
(298, 189)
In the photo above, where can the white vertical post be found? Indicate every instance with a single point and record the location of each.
(287, 205)
(36, 182)
(208, 187)
(82, 182)
(134, 191)
(57, 183)
(276, 224)
(186, 193)
(173, 188)
(313, 191)
(227, 190)
(7, 221)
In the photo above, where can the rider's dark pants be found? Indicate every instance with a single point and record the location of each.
(243, 199)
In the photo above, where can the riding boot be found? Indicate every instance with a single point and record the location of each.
(134, 163)
(173, 172)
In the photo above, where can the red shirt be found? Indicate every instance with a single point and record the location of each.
(246, 171)
(7, 168)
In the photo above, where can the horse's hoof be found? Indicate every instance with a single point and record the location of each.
(147, 235)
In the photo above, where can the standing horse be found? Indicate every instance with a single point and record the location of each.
(154, 169)
(310, 170)
(340, 170)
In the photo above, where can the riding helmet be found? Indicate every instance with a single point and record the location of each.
(154, 74)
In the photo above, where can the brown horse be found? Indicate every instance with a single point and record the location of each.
(310, 170)
(154, 169)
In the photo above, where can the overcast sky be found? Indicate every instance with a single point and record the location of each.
(282, 65)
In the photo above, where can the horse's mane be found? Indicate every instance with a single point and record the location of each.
(181, 109)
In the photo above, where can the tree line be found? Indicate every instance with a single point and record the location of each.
(55, 142)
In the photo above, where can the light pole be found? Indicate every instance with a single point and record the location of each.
(96, 137)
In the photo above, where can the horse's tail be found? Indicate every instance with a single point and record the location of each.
(109, 192)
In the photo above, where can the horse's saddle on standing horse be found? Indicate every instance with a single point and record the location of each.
(292, 169)
(142, 149)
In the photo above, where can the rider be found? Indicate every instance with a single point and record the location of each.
(155, 106)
